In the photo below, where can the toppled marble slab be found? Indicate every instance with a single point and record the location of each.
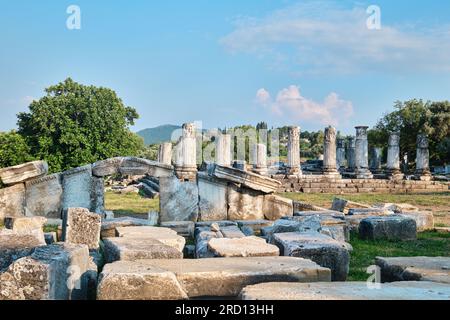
(132, 249)
(82, 227)
(369, 211)
(276, 207)
(305, 206)
(107, 167)
(137, 166)
(232, 232)
(54, 272)
(166, 236)
(178, 200)
(300, 224)
(388, 228)
(23, 172)
(331, 224)
(109, 225)
(255, 225)
(408, 290)
(424, 219)
(397, 207)
(247, 179)
(182, 228)
(202, 237)
(191, 278)
(324, 250)
(435, 269)
(242, 247)
(344, 205)
(244, 204)
(324, 213)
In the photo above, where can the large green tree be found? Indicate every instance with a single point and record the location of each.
(74, 124)
(411, 118)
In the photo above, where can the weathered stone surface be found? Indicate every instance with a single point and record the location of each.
(82, 227)
(166, 236)
(397, 207)
(108, 228)
(343, 205)
(153, 218)
(178, 200)
(165, 153)
(202, 237)
(12, 201)
(190, 278)
(410, 290)
(25, 225)
(332, 223)
(137, 166)
(182, 228)
(221, 223)
(388, 227)
(231, 232)
(369, 211)
(15, 245)
(242, 247)
(45, 275)
(107, 167)
(424, 220)
(305, 206)
(276, 207)
(23, 172)
(212, 198)
(293, 150)
(323, 250)
(247, 179)
(255, 225)
(436, 269)
(244, 204)
(77, 185)
(44, 196)
(131, 249)
(322, 214)
(300, 224)
(98, 195)
(248, 231)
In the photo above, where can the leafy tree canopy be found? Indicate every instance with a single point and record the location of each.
(13, 149)
(74, 124)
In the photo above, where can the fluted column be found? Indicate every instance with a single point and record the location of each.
(422, 158)
(351, 165)
(376, 154)
(362, 154)
(329, 153)
(260, 158)
(393, 157)
(223, 149)
(293, 151)
(165, 153)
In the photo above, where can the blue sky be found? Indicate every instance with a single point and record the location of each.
(309, 63)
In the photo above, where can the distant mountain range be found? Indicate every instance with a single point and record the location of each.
(158, 134)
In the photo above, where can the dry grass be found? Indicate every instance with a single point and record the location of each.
(131, 204)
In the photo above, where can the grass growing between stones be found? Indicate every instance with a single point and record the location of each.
(130, 204)
(431, 244)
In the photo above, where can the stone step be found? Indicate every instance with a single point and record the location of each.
(192, 278)
(347, 291)
(435, 269)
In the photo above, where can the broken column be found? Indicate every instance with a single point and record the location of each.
(260, 158)
(223, 149)
(375, 159)
(165, 153)
(351, 165)
(362, 154)
(422, 158)
(393, 157)
(293, 150)
(329, 153)
(340, 154)
(186, 162)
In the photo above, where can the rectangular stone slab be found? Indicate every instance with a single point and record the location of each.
(166, 236)
(44, 196)
(436, 269)
(178, 201)
(388, 227)
(276, 207)
(82, 227)
(347, 291)
(242, 247)
(23, 172)
(77, 184)
(12, 201)
(190, 278)
(109, 226)
(212, 198)
(244, 204)
(250, 180)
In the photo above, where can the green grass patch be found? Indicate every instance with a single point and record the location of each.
(431, 244)
(50, 228)
(130, 204)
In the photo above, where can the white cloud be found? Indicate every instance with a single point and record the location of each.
(289, 104)
(321, 37)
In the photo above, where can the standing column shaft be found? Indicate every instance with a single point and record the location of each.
(186, 160)
(329, 152)
(165, 153)
(293, 152)
(260, 157)
(422, 158)
(362, 154)
(393, 157)
(340, 154)
(223, 150)
(375, 159)
(351, 165)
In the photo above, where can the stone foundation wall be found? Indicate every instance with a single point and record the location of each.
(321, 184)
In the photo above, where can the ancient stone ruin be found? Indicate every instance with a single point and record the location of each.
(221, 230)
